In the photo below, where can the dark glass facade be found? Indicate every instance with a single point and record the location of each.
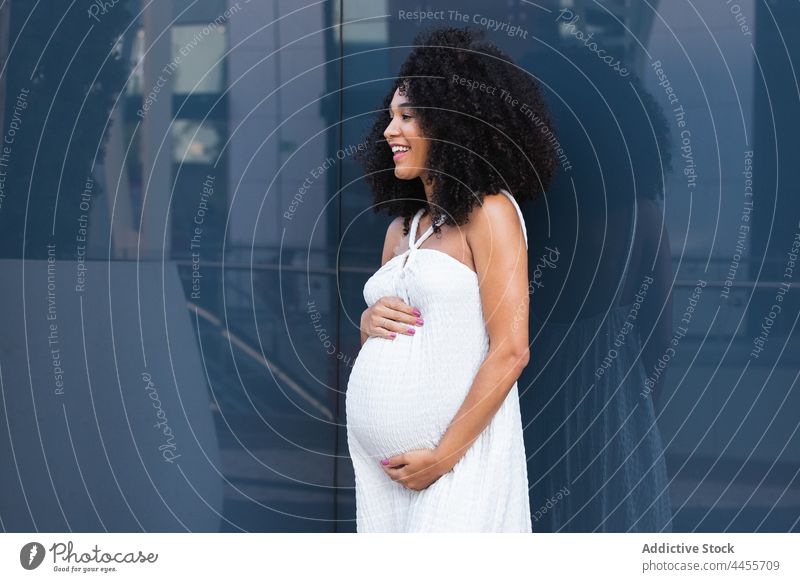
(186, 235)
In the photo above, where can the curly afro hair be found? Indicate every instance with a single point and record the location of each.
(480, 141)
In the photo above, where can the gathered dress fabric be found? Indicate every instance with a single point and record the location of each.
(403, 393)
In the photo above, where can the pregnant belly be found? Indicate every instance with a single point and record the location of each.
(402, 396)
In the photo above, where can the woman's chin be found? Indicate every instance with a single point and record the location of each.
(405, 174)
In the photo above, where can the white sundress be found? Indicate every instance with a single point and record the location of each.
(403, 393)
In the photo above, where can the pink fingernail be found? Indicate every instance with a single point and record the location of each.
(385, 461)
(392, 335)
(411, 330)
(417, 312)
(420, 321)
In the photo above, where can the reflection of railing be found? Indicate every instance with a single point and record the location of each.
(737, 284)
(313, 270)
(286, 268)
(234, 336)
(231, 328)
(254, 355)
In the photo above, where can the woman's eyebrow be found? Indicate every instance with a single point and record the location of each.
(403, 105)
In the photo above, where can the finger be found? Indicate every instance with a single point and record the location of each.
(403, 317)
(394, 461)
(409, 312)
(397, 475)
(386, 326)
(399, 326)
(397, 321)
(383, 328)
(379, 326)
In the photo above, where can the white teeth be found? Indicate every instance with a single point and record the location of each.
(396, 149)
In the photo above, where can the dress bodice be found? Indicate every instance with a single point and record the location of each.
(418, 275)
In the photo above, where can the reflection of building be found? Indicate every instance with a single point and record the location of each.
(226, 82)
(620, 26)
(776, 172)
(5, 15)
(178, 82)
(240, 89)
(237, 95)
(231, 100)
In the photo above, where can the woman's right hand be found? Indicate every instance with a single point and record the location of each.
(389, 316)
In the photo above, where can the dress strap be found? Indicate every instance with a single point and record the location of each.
(413, 241)
(519, 213)
(412, 232)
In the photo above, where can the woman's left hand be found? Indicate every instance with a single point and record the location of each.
(415, 469)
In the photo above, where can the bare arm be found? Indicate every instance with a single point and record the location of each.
(501, 260)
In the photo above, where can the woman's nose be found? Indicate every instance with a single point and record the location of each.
(390, 130)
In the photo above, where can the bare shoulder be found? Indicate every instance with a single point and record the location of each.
(394, 239)
(397, 225)
(394, 234)
(495, 220)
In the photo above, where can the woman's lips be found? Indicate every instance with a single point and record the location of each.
(399, 155)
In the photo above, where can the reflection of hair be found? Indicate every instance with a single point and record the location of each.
(600, 126)
(480, 142)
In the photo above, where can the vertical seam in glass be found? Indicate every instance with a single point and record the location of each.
(339, 394)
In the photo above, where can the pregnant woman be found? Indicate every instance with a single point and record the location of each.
(433, 418)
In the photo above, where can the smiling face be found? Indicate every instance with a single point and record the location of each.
(404, 136)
